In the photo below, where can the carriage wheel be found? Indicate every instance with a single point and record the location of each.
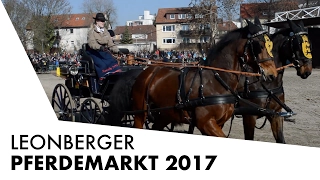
(90, 111)
(62, 103)
(148, 125)
(128, 120)
(170, 127)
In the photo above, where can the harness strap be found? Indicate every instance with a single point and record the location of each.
(273, 96)
(260, 93)
(181, 84)
(201, 84)
(190, 89)
(209, 100)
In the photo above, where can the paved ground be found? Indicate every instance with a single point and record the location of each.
(302, 96)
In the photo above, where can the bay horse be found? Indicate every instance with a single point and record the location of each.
(289, 44)
(161, 92)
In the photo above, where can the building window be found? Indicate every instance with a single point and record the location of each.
(185, 27)
(71, 30)
(186, 40)
(77, 19)
(204, 39)
(198, 16)
(83, 18)
(168, 28)
(169, 41)
(72, 43)
(182, 16)
(172, 16)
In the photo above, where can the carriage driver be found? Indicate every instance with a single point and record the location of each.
(101, 46)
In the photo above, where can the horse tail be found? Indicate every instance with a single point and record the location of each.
(120, 97)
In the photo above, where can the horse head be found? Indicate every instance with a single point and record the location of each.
(259, 47)
(300, 49)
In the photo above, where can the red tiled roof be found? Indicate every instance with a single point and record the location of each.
(142, 29)
(73, 20)
(69, 21)
(226, 26)
(162, 15)
(253, 9)
(261, 10)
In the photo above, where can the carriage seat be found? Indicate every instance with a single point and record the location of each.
(87, 60)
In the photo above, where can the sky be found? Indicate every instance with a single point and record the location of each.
(131, 9)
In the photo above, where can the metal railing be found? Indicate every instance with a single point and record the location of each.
(297, 14)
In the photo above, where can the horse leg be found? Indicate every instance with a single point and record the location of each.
(159, 126)
(249, 123)
(140, 118)
(160, 122)
(277, 128)
(211, 128)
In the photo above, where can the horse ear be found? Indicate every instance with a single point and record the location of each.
(293, 26)
(248, 22)
(300, 24)
(257, 21)
(252, 28)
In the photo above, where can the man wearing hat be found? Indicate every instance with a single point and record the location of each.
(101, 46)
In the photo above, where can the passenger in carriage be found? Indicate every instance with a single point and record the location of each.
(101, 48)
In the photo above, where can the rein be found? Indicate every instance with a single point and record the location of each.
(196, 64)
(181, 65)
(284, 67)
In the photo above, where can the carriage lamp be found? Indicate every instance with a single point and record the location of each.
(73, 70)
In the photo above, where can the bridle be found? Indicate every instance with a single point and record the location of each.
(250, 47)
(295, 57)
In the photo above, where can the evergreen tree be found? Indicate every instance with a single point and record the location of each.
(126, 37)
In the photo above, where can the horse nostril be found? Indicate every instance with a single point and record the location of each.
(308, 74)
(305, 75)
(272, 77)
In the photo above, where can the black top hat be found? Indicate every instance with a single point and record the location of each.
(100, 17)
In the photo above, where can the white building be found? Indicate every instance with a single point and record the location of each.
(72, 29)
(145, 19)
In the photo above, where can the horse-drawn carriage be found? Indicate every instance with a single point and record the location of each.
(201, 96)
(84, 97)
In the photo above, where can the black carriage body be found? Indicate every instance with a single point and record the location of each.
(86, 83)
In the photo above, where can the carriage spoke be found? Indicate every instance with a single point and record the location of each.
(62, 103)
(90, 111)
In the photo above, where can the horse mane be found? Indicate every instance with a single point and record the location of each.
(119, 98)
(225, 41)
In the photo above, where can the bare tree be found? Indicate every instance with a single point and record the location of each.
(204, 15)
(266, 9)
(103, 6)
(270, 7)
(42, 21)
(309, 3)
(229, 9)
(19, 16)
